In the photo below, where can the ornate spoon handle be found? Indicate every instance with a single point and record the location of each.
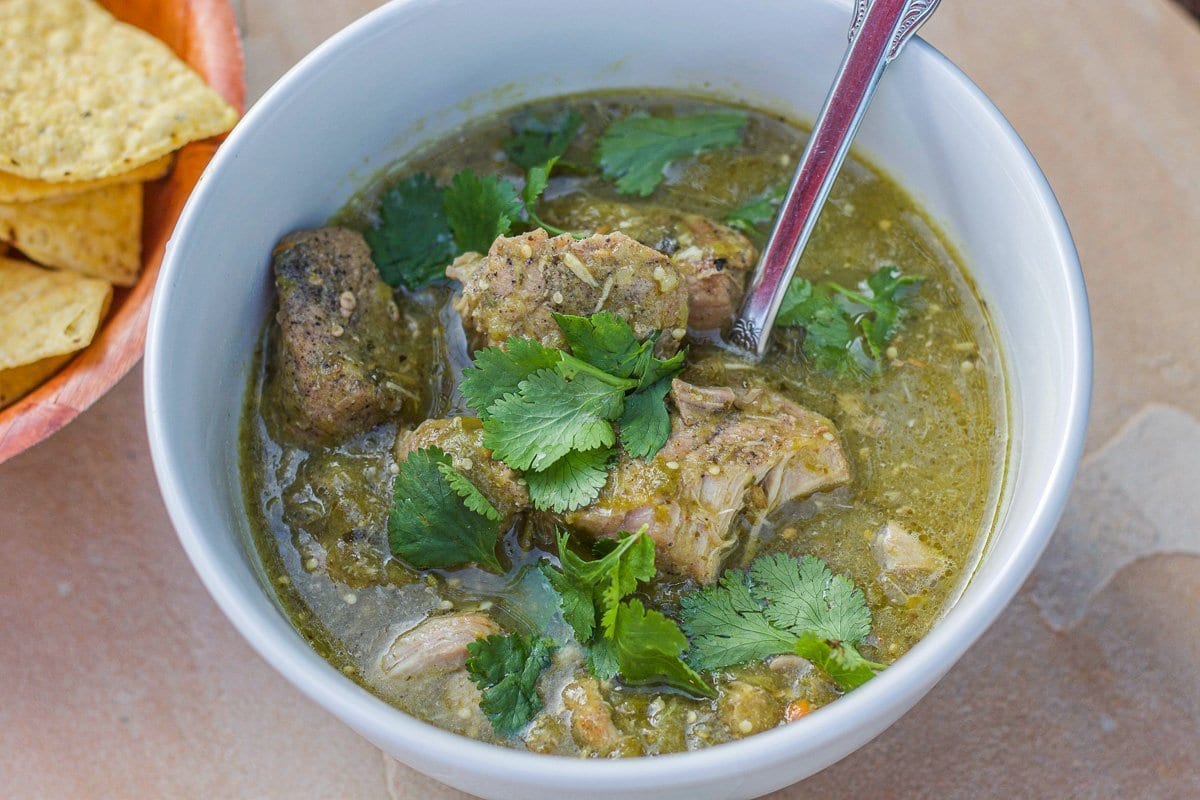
(878, 32)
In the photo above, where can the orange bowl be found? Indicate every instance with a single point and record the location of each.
(204, 34)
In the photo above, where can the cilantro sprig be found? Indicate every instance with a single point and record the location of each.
(439, 518)
(622, 636)
(555, 415)
(634, 152)
(506, 670)
(782, 605)
(845, 329)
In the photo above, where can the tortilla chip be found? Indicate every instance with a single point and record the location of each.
(86, 96)
(15, 189)
(46, 313)
(17, 382)
(98, 233)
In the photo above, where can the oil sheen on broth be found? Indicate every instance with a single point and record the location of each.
(925, 440)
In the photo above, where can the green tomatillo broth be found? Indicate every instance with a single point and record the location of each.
(921, 427)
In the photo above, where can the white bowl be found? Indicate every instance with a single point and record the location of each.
(414, 70)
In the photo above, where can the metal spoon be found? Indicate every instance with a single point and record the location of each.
(879, 30)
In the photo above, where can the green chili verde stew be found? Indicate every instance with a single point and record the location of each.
(500, 474)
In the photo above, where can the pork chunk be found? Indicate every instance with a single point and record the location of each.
(437, 645)
(728, 448)
(713, 258)
(592, 725)
(462, 439)
(341, 364)
(907, 566)
(523, 280)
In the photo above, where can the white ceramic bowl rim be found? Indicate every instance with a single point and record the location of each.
(376, 719)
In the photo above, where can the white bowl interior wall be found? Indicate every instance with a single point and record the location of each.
(416, 70)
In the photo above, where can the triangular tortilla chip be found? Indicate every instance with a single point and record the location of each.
(15, 189)
(98, 233)
(86, 96)
(46, 313)
(17, 382)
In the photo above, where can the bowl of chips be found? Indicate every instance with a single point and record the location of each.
(109, 112)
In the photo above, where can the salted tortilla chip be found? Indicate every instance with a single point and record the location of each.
(15, 189)
(98, 233)
(17, 382)
(46, 313)
(85, 96)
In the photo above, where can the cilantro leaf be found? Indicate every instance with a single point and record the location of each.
(645, 424)
(836, 333)
(551, 416)
(480, 209)
(496, 373)
(571, 482)
(590, 589)
(726, 625)
(536, 180)
(840, 661)
(805, 596)
(798, 292)
(412, 242)
(622, 636)
(607, 342)
(604, 340)
(828, 329)
(758, 210)
(887, 288)
(506, 670)
(635, 151)
(648, 646)
(472, 497)
(576, 600)
(782, 605)
(536, 140)
(652, 370)
(430, 525)
(630, 563)
(549, 413)
(602, 659)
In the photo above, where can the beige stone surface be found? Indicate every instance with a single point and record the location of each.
(121, 679)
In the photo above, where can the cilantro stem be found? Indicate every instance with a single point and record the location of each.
(541, 223)
(550, 229)
(573, 366)
(850, 294)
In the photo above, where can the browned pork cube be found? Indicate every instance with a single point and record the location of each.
(515, 289)
(341, 362)
(728, 448)
(713, 258)
(462, 439)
